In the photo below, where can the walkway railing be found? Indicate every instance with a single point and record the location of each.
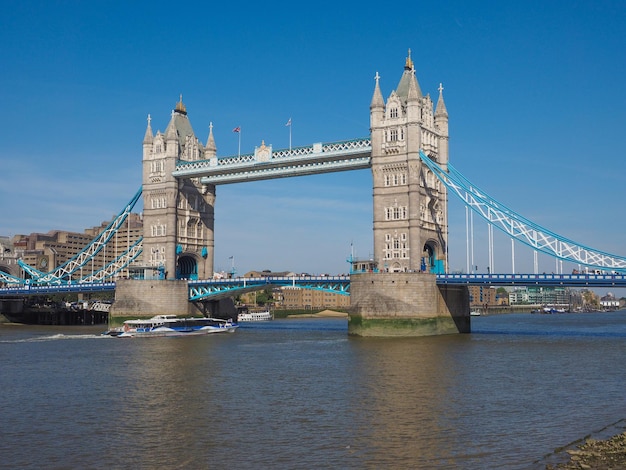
(221, 288)
(548, 280)
(313, 159)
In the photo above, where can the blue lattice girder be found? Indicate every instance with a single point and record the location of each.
(519, 227)
(10, 279)
(221, 288)
(65, 271)
(117, 265)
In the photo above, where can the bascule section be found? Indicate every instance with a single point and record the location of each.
(410, 203)
(178, 212)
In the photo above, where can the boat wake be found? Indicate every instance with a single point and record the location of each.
(57, 337)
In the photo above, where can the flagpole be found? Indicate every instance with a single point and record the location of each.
(239, 146)
(289, 126)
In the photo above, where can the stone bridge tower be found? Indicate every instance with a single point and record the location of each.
(410, 204)
(178, 215)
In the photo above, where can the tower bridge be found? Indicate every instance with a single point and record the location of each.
(408, 290)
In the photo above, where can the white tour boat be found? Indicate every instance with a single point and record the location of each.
(171, 325)
(247, 315)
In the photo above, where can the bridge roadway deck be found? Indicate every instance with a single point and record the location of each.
(219, 288)
(547, 280)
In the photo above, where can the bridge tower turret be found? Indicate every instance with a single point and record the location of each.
(410, 205)
(178, 215)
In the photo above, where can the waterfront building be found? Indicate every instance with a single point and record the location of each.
(45, 251)
(534, 295)
(518, 296)
(609, 302)
(481, 296)
(548, 295)
(297, 298)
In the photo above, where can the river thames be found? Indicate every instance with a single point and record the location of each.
(302, 394)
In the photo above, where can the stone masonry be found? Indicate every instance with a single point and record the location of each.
(406, 304)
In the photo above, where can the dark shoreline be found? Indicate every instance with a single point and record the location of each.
(602, 453)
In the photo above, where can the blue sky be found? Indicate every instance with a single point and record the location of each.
(535, 92)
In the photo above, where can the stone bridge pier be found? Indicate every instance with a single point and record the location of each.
(406, 304)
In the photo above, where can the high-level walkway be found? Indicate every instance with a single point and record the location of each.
(267, 164)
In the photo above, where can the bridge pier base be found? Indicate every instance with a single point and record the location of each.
(146, 298)
(222, 308)
(406, 304)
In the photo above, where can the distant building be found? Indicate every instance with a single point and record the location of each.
(297, 298)
(266, 273)
(46, 251)
(8, 257)
(518, 296)
(363, 266)
(609, 302)
(293, 297)
(481, 296)
(533, 295)
(548, 295)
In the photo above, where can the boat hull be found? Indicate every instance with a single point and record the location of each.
(164, 331)
(171, 325)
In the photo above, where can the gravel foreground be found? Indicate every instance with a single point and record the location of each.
(609, 454)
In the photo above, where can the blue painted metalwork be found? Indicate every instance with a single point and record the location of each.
(519, 227)
(221, 288)
(313, 159)
(213, 289)
(65, 271)
(10, 279)
(547, 280)
(118, 264)
(28, 289)
(320, 158)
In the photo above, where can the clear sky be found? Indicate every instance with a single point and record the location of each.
(535, 91)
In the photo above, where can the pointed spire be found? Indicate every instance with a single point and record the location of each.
(211, 149)
(180, 107)
(377, 99)
(408, 80)
(408, 64)
(147, 138)
(441, 110)
(414, 91)
(170, 131)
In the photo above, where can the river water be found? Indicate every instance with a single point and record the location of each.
(302, 394)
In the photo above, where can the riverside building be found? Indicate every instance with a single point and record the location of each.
(46, 251)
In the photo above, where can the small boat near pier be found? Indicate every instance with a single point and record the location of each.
(246, 315)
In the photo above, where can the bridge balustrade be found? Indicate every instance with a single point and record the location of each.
(570, 280)
(208, 288)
